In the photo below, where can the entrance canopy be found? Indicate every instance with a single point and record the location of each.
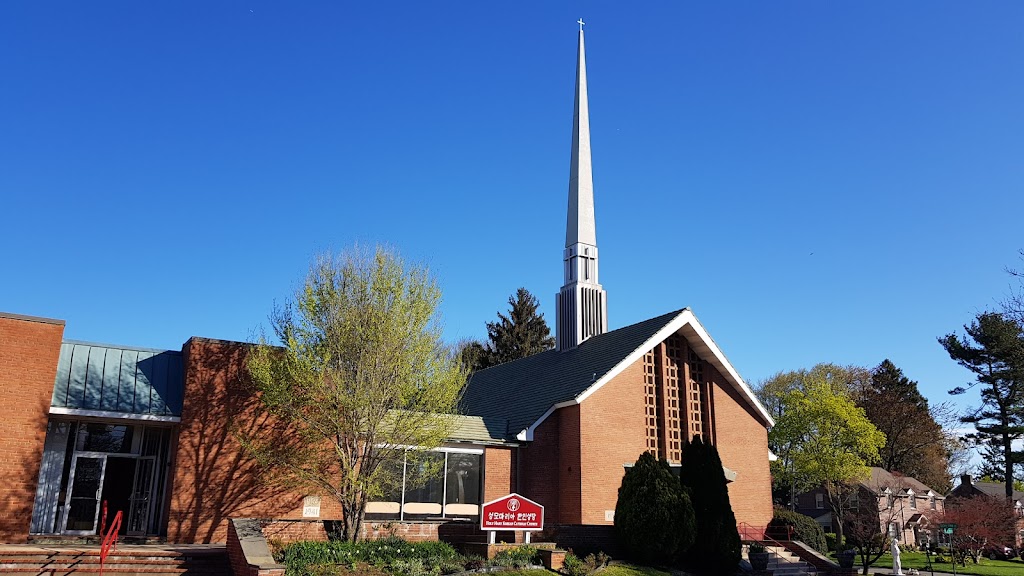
(95, 380)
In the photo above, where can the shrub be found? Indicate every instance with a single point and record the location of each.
(717, 547)
(573, 566)
(756, 548)
(518, 557)
(654, 520)
(830, 542)
(474, 562)
(405, 558)
(805, 529)
(434, 549)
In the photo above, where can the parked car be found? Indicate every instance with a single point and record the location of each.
(1000, 553)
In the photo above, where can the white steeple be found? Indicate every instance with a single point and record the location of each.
(582, 305)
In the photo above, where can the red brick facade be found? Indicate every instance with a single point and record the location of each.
(214, 477)
(575, 463)
(29, 349)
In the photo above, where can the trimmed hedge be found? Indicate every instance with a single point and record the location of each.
(805, 529)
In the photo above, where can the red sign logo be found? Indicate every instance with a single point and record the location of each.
(512, 512)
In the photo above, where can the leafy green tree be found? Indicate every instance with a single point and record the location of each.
(360, 374)
(520, 333)
(787, 436)
(823, 438)
(717, 546)
(915, 443)
(993, 349)
(654, 517)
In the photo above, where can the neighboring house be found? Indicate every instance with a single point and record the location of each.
(908, 508)
(969, 487)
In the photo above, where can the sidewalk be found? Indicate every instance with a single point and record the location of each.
(889, 571)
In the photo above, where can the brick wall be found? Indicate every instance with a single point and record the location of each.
(570, 468)
(742, 442)
(539, 465)
(612, 434)
(499, 472)
(29, 350)
(214, 478)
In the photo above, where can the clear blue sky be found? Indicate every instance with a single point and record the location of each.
(818, 181)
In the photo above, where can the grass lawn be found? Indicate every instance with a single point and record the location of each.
(987, 567)
(631, 570)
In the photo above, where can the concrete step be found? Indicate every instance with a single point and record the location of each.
(138, 561)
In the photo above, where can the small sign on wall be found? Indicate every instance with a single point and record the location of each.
(311, 507)
(609, 515)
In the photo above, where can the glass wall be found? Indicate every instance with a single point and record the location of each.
(444, 483)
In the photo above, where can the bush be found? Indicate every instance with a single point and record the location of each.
(654, 521)
(573, 566)
(405, 558)
(474, 562)
(717, 547)
(805, 529)
(830, 542)
(518, 557)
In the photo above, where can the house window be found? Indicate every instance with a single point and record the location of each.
(819, 501)
(931, 502)
(913, 502)
(855, 501)
(437, 484)
(889, 500)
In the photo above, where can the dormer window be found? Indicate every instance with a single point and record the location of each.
(913, 502)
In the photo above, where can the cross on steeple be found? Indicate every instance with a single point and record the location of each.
(581, 23)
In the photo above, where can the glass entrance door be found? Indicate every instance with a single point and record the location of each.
(142, 492)
(83, 499)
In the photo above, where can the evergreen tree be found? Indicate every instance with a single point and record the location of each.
(993, 350)
(654, 518)
(716, 549)
(915, 444)
(520, 333)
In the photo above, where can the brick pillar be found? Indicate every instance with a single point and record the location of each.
(29, 350)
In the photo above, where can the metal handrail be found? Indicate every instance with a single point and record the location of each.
(109, 542)
(759, 534)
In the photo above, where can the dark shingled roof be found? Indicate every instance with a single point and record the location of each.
(523, 390)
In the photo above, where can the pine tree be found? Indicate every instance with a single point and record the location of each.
(716, 549)
(520, 333)
(915, 444)
(654, 518)
(994, 351)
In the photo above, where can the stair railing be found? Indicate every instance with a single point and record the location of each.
(109, 542)
(759, 534)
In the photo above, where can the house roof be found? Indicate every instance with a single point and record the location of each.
(995, 489)
(881, 479)
(524, 392)
(480, 430)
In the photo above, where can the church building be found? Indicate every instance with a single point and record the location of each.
(90, 428)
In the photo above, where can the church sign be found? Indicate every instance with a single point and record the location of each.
(512, 512)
